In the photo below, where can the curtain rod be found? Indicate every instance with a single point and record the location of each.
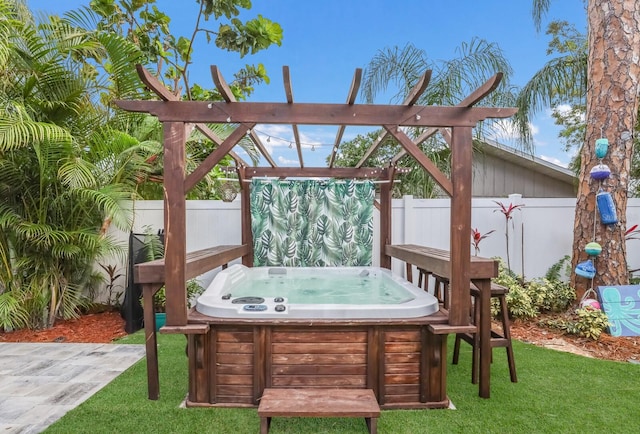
(285, 180)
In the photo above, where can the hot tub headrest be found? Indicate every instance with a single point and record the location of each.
(277, 271)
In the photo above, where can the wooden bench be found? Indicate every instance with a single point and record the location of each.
(319, 403)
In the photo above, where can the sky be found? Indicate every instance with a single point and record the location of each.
(325, 41)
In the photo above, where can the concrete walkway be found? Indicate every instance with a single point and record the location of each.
(40, 382)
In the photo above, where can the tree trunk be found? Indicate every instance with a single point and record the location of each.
(612, 107)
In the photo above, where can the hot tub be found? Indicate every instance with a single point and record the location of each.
(318, 328)
(323, 293)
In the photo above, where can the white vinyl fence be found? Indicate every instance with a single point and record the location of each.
(540, 233)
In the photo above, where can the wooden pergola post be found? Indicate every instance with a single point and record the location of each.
(461, 171)
(245, 212)
(385, 217)
(175, 224)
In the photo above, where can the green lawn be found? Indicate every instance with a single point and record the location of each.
(556, 393)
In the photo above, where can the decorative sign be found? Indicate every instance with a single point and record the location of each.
(621, 304)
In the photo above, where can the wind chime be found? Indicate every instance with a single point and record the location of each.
(606, 209)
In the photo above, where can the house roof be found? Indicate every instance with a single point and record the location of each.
(528, 160)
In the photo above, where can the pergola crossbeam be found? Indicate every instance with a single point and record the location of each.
(305, 113)
(229, 97)
(315, 172)
(351, 99)
(410, 100)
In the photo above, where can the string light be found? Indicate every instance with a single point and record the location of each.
(270, 138)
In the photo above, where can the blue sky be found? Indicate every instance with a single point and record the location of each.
(324, 42)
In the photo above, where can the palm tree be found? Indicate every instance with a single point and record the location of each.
(56, 185)
(148, 29)
(611, 84)
(451, 82)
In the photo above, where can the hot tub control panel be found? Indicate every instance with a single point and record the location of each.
(248, 305)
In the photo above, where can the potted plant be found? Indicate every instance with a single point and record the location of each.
(160, 300)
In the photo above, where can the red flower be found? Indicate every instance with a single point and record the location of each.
(507, 211)
(476, 237)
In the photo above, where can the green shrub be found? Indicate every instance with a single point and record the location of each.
(519, 302)
(560, 269)
(588, 322)
(550, 295)
(529, 299)
(193, 291)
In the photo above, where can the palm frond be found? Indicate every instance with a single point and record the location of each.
(18, 130)
(401, 66)
(562, 76)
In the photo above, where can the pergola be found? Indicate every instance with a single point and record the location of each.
(455, 123)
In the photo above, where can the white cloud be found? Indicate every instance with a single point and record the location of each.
(504, 130)
(286, 162)
(555, 161)
(562, 109)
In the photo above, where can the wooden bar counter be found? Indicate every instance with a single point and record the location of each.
(481, 271)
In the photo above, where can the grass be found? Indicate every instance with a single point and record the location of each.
(556, 393)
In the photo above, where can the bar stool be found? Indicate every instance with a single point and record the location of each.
(499, 338)
(423, 278)
(441, 288)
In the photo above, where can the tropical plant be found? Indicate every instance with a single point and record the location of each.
(507, 212)
(610, 68)
(560, 268)
(451, 81)
(113, 295)
(550, 295)
(588, 322)
(54, 199)
(476, 237)
(529, 299)
(194, 289)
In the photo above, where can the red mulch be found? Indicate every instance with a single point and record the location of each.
(606, 347)
(95, 328)
(107, 326)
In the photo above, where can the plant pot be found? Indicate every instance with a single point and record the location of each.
(161, 319)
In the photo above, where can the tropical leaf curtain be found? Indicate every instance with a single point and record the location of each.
(312, 223)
